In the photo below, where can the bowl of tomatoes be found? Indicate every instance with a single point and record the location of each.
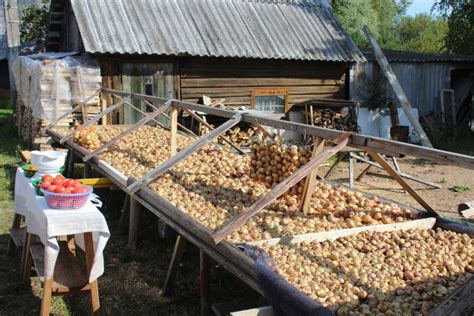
(64, 194)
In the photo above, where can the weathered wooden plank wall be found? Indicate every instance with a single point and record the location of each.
(233, 79)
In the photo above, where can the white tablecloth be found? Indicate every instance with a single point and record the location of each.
(48, 223)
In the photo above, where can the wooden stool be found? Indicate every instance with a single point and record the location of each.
(68, 277)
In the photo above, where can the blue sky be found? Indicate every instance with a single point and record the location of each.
(420, 6)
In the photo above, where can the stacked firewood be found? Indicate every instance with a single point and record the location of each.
(334, 120)
(241, 136)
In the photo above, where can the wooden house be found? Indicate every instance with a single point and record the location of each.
(261, 54)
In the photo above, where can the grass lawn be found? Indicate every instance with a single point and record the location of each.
(131, 284)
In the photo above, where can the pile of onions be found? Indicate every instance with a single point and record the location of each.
(399, 272)
(87, 137)
(214, 185)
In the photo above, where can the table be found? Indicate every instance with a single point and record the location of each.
(60, 273)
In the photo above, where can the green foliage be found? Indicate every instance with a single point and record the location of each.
(460, 188)
(34, 23)
(460, 16)
(422, 33)
(375, 96)
(390, 26)
(443, 180)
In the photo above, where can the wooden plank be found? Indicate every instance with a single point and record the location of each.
(124, 133)
(393, 173)
(17, 235)
(253, 82)
(173, 267)
(204, 272)
(224, 138)
(364, 142)
(309, 185)
(459, 303)
(199, 143)
(363, 173)
(173, 131)
(397, 88)
(166, 116)
(96, 118)
(279, 189)
(425, 223)
(94, 287)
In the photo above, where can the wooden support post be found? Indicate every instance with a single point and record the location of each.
(170, 280)
(397, 88)
(280, 188)
(47, 294)
(28, 260)
(363, 173)
(134, 220)
(351, 170)
(87, 171)
(94, 287)
(204, 273)
(224, 138)
(309, 185)
(174, 131)
(124, 217)
(16, 224)
(393, 173)
(165, 115)
(124, 133)
(339, 158)
(96, 118)
(199, 143)
(69, 172)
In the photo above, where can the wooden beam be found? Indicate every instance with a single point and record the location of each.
(199, 143)
(124, 133)
(279, 189)
(166, 116)
(364, 142)
(96, 118)
(200, 120)
(309, 185)
(174, 131)
(173, 267)
(393, 173)
(397, 88)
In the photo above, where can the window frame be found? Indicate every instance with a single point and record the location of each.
(268, 93)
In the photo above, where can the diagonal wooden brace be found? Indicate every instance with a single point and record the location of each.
(200, 120)
(124, 133)
(77, 107)
(393, 173)
(96, 118)
(168, 164)
(309, 186)
(280, 189)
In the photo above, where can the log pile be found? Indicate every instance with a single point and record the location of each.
(328, 118)
(242, 137)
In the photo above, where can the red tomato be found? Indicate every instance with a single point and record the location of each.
(70, 189)
(59, 176)
(77, 184)
(47, 178)
(84, 189)
(52, 188)
(45, 185)
(58, 181)
(68, 182)
(61, 189)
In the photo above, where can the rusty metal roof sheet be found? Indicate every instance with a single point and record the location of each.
(268, 29)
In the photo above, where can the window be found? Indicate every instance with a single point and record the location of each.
(274, 101)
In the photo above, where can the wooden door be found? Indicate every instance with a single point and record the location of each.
(146, 78)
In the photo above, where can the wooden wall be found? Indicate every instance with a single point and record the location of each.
(233, 79)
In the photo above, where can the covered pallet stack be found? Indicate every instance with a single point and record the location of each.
(49, 86)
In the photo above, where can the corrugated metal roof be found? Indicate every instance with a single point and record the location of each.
(269, 29)
(414, 57)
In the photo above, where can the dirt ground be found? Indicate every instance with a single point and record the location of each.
(443, 200)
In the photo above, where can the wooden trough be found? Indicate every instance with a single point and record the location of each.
(214, 244)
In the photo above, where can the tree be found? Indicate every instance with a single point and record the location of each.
(34, 23)
(422, 33)
(460, 17)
